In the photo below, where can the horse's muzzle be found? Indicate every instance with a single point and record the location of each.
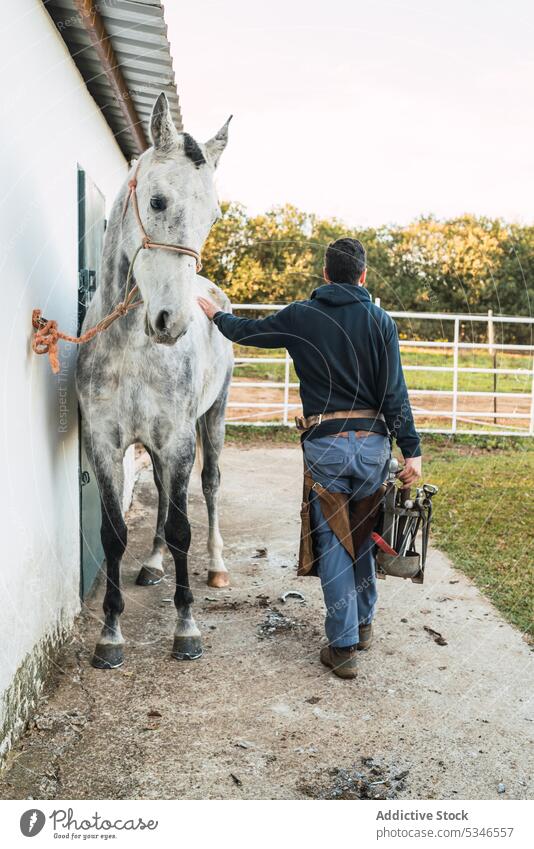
(163, 336)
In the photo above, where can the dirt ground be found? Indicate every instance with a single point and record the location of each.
(258, 717)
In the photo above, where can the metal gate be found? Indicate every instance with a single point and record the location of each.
(91, 228)
(442, 406)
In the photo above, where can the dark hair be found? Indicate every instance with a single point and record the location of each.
(345, 260)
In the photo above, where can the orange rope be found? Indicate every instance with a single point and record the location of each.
(46, 337)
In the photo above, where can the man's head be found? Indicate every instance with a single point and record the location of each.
(344, 262)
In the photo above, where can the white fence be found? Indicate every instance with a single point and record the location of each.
(522, 402)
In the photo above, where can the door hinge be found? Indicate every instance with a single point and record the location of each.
(86, 284)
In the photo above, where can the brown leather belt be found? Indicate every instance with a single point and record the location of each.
(359, 434)
(304, 423)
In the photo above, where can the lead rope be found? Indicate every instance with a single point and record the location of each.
(47, 335)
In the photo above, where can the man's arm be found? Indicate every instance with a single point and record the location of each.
(271, 332)
(396, 407)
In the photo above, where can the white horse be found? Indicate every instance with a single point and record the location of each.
(160, 374)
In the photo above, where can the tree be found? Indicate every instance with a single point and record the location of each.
(466, 264)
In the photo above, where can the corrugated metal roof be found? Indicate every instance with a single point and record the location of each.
(138, 35)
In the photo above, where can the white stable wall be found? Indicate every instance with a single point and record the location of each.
(49, 124)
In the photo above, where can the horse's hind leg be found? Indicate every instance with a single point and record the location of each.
(152, 569)
(109, 473)
(211, 431)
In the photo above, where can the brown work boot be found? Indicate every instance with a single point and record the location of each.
(366, 637)
(342, 662)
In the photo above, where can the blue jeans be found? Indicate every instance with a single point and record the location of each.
(357, 466)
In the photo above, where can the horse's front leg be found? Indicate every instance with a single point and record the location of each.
(187, 642)
(108, 468)
(152, 569)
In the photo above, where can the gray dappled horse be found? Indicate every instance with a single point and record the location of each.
(160, 374)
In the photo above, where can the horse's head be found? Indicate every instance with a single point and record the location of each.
(177, 205)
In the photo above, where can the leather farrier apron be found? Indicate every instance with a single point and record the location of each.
(349, 519)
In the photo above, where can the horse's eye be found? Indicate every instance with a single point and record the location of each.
(158, 203)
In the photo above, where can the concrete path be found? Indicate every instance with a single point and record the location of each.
(258, 716)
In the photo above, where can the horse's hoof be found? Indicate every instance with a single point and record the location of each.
(187, 648)
(108, 656)
(148, 577)
(218, 580)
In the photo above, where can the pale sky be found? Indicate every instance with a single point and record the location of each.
(376, 111)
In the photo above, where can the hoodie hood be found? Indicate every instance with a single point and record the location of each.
(339, 294)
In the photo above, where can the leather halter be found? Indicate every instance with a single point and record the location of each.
(146, 241)
(47, 334)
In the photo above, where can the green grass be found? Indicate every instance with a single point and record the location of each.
(466, 382)
(244, 436)
(485, 522)
(483, 513)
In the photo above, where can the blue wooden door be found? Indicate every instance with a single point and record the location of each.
(91, 228)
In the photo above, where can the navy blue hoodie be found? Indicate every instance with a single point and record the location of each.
(346, 354)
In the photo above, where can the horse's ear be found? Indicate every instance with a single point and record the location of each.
(215, 146)
(162, 129)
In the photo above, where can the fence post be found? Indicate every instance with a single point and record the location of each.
(286, 388)
(493, 353)
(491, 334)
(455, 374)
(532, 402)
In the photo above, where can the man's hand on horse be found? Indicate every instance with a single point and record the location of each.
(412, 471)
(208, 307)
